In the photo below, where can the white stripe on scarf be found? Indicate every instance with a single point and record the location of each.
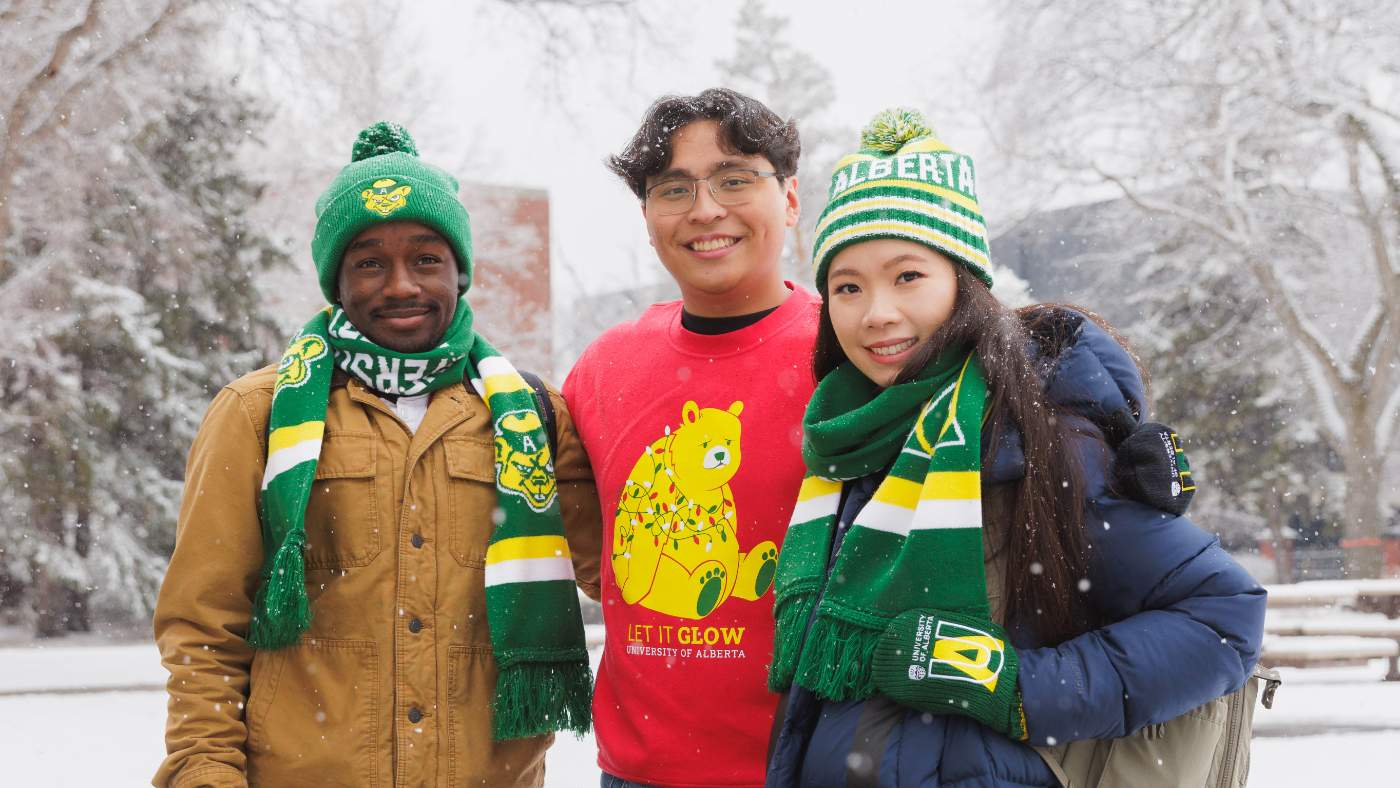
(527, 570)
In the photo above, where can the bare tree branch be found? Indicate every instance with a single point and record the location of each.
(46, 69)
(1389, 174)
(134, 43)
(1287, 312)
(1204, 222)
(19, 108)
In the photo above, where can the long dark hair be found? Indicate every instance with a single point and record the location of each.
(1043, 537)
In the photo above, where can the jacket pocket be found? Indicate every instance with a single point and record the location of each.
(471, 471)
(262, 687)
(313, 715)
(342, 515)
(474, 757)
(1180, 751)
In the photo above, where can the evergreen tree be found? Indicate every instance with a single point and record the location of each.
(142, 322)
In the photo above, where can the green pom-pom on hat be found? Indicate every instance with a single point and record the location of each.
(381, 138)
(888, 131)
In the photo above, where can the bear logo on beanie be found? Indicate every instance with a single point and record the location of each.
(383, 198)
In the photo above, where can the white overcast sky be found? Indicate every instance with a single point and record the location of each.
(518, 125)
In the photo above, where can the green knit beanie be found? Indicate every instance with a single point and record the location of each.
(903, 183)
(386, 182)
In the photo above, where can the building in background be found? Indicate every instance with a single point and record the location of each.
(511, 287)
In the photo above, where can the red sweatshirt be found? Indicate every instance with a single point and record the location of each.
(695, 442)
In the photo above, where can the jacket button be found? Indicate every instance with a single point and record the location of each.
(416, 540)
(414, 626)
(415, 714)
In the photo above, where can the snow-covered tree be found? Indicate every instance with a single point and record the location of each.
(1266, 129)
(127, 274)
(1254, 440)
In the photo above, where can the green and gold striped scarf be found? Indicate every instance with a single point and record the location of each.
(916, 544)
(544, 682)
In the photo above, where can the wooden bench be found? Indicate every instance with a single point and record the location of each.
(1304, 643)
(1381, 595)
(1330, 639)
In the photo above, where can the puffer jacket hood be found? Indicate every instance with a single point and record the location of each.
(1086, 372)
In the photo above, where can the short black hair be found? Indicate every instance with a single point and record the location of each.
(746, 127)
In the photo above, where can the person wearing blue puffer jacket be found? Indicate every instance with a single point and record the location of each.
(966, 587)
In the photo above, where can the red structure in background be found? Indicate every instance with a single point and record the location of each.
(510, 292)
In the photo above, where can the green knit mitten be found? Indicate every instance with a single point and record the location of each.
(944, 662)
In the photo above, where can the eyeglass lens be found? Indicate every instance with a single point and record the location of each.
(677, 195)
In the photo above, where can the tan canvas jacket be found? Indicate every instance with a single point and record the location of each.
(396, 530)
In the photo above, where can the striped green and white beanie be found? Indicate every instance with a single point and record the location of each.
(903, 183)
(385, 181)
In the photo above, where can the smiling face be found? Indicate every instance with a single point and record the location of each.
(398, 285)
(724, 257)
(886, 297)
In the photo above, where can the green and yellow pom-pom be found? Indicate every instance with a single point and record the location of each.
(892, 128)
(381, 138)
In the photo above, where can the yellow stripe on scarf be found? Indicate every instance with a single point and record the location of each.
(499, 376)
(817, 498)
(522, 547)
(906, 494)
(816, 487)
(952, 484)
(288, 447)
(284, 437)
(898, 492)
(504, 384)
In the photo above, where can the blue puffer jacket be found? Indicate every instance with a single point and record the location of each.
(1187, 623)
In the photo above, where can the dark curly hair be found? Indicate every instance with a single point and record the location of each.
(746, 127)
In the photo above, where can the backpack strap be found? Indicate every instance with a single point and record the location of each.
(546, 410)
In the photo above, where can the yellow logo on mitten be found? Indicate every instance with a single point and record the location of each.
(975, 654)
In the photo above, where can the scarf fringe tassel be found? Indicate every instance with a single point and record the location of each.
(282, 612)
(837, 658)
(792, 615)
(534, 698)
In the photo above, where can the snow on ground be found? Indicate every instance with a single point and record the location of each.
(66, 669)
(1329, 726)
(57, 735)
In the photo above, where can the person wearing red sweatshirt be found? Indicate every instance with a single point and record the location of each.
(692, 418)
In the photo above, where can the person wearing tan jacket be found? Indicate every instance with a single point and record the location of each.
(393, 681)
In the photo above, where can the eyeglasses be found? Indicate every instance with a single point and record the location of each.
(728, 187)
